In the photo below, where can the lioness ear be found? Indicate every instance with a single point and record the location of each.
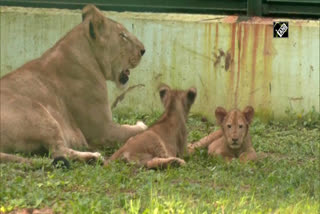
(96, 20)
(91, 31)
(220, 113)
(191, 95)
(248, 113)
(88, 10)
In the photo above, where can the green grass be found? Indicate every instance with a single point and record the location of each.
(286, 181)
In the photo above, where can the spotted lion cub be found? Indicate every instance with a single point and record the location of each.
(233, 139)
(164, 142)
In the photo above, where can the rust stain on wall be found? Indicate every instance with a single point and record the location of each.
(267, 55)
(245, 72)
(216, 41)
(236, 95)
(232, 66)
(249, 60)
(255, 47)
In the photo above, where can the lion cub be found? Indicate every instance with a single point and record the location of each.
(233, 139)
(164, 142)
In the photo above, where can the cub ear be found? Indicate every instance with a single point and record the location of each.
(96, 20)
(220, 113)
(163, 92)
(248, 113)
(191, 95)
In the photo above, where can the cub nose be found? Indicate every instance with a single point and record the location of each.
(142, 52)
(234, 140)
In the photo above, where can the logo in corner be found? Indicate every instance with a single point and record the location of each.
(280, 29)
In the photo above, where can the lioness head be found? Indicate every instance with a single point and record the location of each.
(114, 47)
(180, 100)
(234, 124)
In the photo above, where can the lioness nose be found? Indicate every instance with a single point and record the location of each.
(142, 52)
(235, 139)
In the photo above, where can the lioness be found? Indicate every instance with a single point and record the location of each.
(165, 141)
(233, 139)
(58, 102)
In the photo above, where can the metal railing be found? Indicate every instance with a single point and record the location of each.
(291, 8)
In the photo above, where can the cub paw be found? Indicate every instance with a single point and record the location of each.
(191, 149)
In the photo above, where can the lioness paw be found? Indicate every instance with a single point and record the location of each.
(142, 125)
(98, 156)
(180, 162)
(95, 157)
(176, 162)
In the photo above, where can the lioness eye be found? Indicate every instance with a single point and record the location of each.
(124, 36)
(240, 126)
(229, 126)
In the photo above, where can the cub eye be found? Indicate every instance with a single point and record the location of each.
(229, 126)
(240, 126)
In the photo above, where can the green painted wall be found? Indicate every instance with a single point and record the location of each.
(232, 62)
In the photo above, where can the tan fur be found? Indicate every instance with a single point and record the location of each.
(233, 140)
(163, 143)
(59, 101)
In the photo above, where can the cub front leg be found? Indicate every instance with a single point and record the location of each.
(250, 155)
(161, 163)
(76, 155)
(205, 142)
(217, 148)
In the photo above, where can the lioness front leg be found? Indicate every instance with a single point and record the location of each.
(161, 163)
(77, 155)
(205, 142)
(121, 133)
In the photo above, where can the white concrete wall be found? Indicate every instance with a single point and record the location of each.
(231, 63)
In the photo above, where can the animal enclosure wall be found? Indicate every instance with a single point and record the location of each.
(233, 61)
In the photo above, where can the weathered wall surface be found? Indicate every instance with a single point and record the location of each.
(231, 61)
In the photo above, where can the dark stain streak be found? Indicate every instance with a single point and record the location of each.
(217, 57)
(205, 20)
(311, 68)
(122, 95)
(228, 61)
(195, 52)
(221, 52)
(243, 19)
(295, 98)
(201, 80)
(158, 76)
(270, 87)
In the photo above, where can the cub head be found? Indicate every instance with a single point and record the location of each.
(177, 100)
(235, 124)
(114, 47)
